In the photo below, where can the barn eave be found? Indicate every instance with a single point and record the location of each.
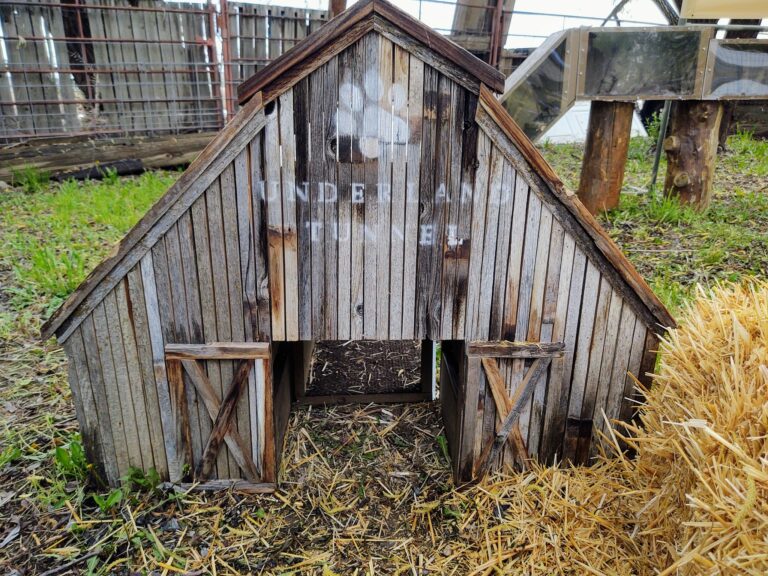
(595, 239)
(163, 214)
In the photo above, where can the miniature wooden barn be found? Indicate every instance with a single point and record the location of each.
(370, 188)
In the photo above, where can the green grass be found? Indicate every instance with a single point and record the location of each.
(674, 246)
(54, 236)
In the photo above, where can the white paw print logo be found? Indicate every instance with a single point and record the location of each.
(360, 138)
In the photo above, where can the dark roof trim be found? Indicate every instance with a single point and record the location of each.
(220, 151)
(603, 243)
(350, 25)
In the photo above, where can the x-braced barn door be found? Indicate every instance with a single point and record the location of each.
(488, 386)
(220, 395)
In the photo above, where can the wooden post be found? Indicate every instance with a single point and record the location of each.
(691, 151)
(336, 7)
(605, 154)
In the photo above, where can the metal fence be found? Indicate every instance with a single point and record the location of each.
(133, 67)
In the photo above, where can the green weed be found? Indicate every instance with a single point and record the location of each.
(70, 460)
(30, 179)
(107, 502)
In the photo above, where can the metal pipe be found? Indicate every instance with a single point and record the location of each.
(104, 40)
(660, 144)
(102, 7)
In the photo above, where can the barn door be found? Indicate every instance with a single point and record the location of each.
(218, 395)
(493, 383)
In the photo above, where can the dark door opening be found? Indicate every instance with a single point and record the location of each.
(362, 371)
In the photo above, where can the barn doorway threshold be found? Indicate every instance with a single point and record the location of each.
(364, 371)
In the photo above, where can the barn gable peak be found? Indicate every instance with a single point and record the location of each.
(350, 26)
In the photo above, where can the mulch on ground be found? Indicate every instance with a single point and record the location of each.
(365, 367)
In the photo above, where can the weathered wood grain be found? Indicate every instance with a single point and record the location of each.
(274, 218)
(223, 420)
(301, 127)
(526, 158)
(396, 233)
(330, 198)
(217, 351)
(356, 131)
(180, 416)
(262, 322)
(239, 448)
(371, 148)
(479, 202)
(383, 199)
(413, 186)
(507, 349)
(137, 312)
(155, 330)
(163, 214)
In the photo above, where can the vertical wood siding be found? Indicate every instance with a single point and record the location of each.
(371, 205)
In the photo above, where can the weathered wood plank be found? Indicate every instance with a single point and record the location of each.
(262, 327)
(330, 198)
(491, 229)
(179, 308)
(154, 329)
(218, 351)
(470, 398)
(180, 416)
(224, 420)
(207, 279)
(290, 246)
(464, 225)
(317, 205)
(274, 218)
(384, 187)
(413, 183)
(357, 192)
(593, 372)
(507, 349)
(517, 243)
(570, 280)
(101, 347)
(628, 404)
(623, 350)
(371, 149)
(235, 282)
(137, 312)
(505, 197)
(451, 253)
(134, 375)
(122, 382)
(399, 101)
(609, 357)
(239, 448)
(163, 214)
(591, 292)
(301, 127)
(221, 300)
(479, 202)
(97, 430)
(343, 149)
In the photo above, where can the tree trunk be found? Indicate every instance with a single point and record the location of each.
(605, 154)
(691, 151)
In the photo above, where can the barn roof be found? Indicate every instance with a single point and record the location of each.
(350, 26)
(284, 72)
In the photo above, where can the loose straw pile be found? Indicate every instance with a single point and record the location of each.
(695, 499)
